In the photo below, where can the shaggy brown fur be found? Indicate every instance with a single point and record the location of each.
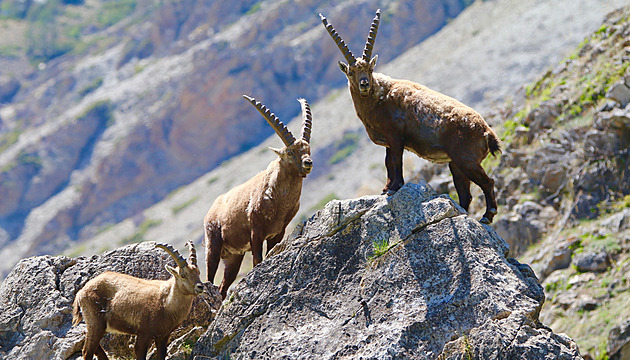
(401, 114)
(150, 309)
(261, 208)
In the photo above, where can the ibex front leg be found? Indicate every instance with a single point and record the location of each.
(393, 163)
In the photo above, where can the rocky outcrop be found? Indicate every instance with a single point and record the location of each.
(36, 304)
(404, 277)
(619, 342)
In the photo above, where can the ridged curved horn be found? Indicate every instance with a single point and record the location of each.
(307, 122)
(369, 45)
(192, 259)
(179, 260)
(339, 41)
(273, 120)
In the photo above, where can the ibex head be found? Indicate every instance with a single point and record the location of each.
(187, 273)
(357, 70)
(296, 153)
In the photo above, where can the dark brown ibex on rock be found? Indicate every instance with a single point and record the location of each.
(261, 208)
(400, 114)
(150, 309)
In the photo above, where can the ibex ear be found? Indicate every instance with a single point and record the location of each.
(171, 270)
(373, 61)
(277, 151)
(343, 67)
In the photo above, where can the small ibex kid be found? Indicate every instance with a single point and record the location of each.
(149, 309)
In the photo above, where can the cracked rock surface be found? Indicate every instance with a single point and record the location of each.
(409, 276)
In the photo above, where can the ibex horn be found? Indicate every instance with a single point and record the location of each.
(339, 41)
(307, 118)
(179, 260)
(193, 253)
(369, 45)
(273, 120)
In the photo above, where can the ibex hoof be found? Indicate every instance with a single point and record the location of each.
(484, 220)
(391, 192)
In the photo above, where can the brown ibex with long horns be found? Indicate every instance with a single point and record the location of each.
(401, 114)
(150, 309)
(261, 208)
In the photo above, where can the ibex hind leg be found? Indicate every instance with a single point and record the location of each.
(232, 266)
(161, 345)
(478, 175)
(94, 334)
(214, 244)
(100, 353)
(142, 346)
(462, 185)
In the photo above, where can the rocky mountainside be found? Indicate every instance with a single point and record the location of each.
(565, 187)
(404, 277)
(561, 180)
(135, 109)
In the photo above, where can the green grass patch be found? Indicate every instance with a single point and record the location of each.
(114, 11)
(91, 87)
(345, 147)
(77, 251)
(103, 110)
(379, 248)
(177, 209)
(623, 203)
(9, 139)
(596, 242)
(212, 180)
(254, 8)
(325, 200)
(141, 231)
(10, 51)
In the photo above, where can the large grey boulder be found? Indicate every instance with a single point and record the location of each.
(409, 276)
(36, 303)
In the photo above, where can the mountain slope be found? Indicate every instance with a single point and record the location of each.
(92, 138)
(337, 131)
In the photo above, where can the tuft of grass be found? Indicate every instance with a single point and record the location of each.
(254, 8)
(114, 11)
(182, 206)
(91, 87)
(9, 139)
(141, 232)
(346, 146)
(325, 200)
(212, 180)
(380, 246)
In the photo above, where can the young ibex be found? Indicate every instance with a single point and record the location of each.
(150, 309)
(400, 114)
(261, 208)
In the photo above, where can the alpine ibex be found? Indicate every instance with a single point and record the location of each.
(261, 208)
(400, 114)
(150, 309)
